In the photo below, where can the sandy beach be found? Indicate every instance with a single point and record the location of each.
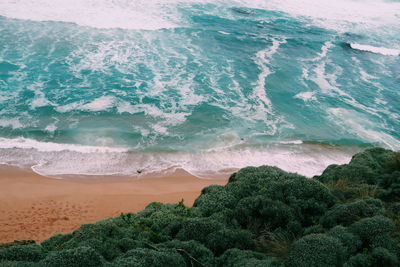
(36, 207)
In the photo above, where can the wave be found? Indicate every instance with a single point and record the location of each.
(140, 14)
(27, 143)
(57, 160)
(376, 50)
(158, 14)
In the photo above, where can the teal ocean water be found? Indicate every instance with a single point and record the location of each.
(121, 87)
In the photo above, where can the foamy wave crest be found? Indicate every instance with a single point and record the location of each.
(139, 14)
(157, 14)
(376, 50)
(57, 160)
(26, 143)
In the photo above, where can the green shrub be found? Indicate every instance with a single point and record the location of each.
(77, 257)
(378, 257)
(371, 230)
(19, 264)
(225, 239)
(198, 229)
(102, 230)
(56, 241)
(314, 229)
(364, 167)
(164, 219)
(32, 252)
(308, 198)
(346, 214)
(359, 260)
(255, 212)
(315, 250)
(391, 187)
(17, 243)
(237, 258)
(109, 249)
(144, 257)
(213, 199)
(194, 253)
(383, 257)
(250, 180)
(126, 243)
(350, 241)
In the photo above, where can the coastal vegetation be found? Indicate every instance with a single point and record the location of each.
(348, 216)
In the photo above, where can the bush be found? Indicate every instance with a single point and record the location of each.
(237, 258)
(382, 257)
(102, 230)
(56, 241)
(143, 257)
(250, 180)
(315, 250)
(378, 257)
(391, 187)
(308, 198)
(198, 229)
(364, 167)
(19, 264)
(77, 257)
(372, 230)
(255, 212)
(32, 252)
(359, 260)
(213, 199)
(194, 253)
(225, 239)
(346, 214)
(350, 241)
(108, 249)
(315, 229)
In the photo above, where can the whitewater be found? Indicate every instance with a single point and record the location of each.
(118, 87)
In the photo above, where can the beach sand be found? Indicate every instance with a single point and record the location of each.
(36, 207)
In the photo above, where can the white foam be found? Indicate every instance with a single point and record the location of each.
(376, 50)
(26, 143)
(51, 128)
(341, 15)
(306, 96)
(11, 122)
(101, 103)
(156, 14)
(138, 14)
(291, 142)
(263, 60)
(53, 159)
(69, 107)
(40, 99)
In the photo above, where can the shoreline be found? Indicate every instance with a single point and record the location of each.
(37, 207)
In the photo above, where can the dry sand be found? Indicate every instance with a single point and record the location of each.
(36, 207)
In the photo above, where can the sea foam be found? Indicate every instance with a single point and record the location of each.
(376, 50)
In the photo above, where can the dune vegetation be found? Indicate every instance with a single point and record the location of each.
(348, 216)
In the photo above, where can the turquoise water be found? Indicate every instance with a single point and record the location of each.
(113, 87)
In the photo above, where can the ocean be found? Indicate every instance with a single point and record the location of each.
(118, 87)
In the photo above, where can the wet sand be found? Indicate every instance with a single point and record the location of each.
(36, 207)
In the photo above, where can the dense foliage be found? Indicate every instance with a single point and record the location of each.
(348, 216)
